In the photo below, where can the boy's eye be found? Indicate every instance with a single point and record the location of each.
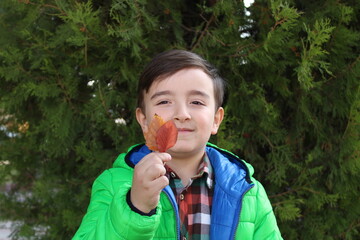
(197, 103)
(163, 102)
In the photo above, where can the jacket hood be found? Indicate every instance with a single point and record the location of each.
(133, 155)
(225, 161)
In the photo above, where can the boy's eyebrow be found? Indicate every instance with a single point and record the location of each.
(199, 93)
(161, 93)
(191, 93)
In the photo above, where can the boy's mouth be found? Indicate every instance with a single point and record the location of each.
(184, 130)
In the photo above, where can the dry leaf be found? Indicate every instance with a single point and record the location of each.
(161, 135)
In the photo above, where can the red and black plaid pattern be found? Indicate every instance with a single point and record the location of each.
(194, 201)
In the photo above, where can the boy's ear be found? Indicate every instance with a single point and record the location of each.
(219, 116)
(141, 118)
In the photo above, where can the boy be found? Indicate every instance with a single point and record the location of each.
(195, 190)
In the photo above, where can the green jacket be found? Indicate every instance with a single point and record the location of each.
(241, 209)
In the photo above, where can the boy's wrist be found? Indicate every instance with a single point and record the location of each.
(135, 209)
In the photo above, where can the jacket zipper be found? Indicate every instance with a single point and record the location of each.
(174, 204)
(238, 211)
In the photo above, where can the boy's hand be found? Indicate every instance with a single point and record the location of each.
(148, 181)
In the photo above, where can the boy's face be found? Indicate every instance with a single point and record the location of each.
(187, 97)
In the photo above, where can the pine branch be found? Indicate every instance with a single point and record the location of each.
(283, 193)
(208, 22)
(268, 140)
(86, 46)
(217, 40)
(282, 202)
(346, 70)
(67, 96)
(103, 103)
(277, 24)
(355, 224)
(350, 117)
(253, 47)
(46, 5)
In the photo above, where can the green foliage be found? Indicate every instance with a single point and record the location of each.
(313, 52)
(68, 77)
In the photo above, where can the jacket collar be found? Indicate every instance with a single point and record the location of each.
(221, 159)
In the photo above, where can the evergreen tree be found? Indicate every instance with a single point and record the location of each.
(68, 76)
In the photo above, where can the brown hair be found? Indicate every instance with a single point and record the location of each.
(168, 63)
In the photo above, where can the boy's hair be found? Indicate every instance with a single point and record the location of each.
(168, 63)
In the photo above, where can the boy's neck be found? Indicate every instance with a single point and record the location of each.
(187, 167)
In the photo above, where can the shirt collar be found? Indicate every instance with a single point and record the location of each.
(205, 170)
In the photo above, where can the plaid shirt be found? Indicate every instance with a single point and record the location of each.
(194, 201)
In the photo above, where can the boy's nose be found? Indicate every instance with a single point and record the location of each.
(181, 114)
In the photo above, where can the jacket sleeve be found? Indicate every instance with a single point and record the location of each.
(265, 221)
(109, 215)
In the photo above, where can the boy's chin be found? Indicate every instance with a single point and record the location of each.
(184, 150)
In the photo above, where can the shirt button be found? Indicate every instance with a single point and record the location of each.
(172, 174)
(182, 198)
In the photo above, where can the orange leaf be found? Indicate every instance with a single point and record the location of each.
(160, 135)
(150, 135)
(166, 136)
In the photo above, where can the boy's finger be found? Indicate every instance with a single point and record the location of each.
(155, 171)
(153, 158)
(160, 183)
(165, 157)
